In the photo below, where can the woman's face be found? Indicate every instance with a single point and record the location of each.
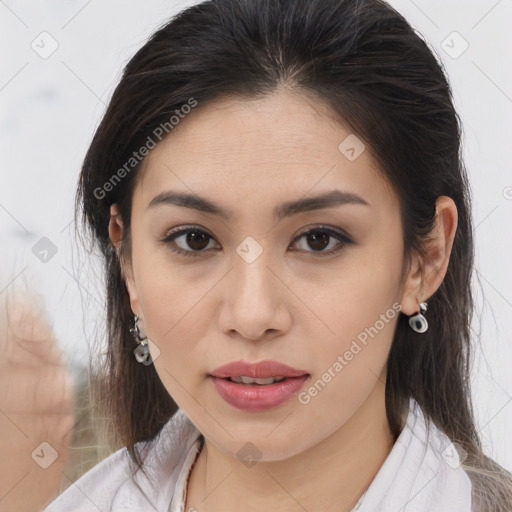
(254, 285)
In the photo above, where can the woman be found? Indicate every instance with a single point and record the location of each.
(277, 191)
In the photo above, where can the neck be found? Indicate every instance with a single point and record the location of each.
(331, 475)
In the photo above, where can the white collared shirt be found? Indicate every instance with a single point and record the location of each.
(422, 473)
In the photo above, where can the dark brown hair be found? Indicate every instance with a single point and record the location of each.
(363, 60)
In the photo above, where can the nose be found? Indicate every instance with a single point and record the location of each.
(254, 304)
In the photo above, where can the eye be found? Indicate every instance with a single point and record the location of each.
(321, 238)
(198, 240)
(195, 238)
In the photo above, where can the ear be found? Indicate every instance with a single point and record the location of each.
(426, 275)
(115, 232)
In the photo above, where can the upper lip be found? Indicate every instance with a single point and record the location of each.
(261, 369)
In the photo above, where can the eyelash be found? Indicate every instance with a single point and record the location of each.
(342, 238)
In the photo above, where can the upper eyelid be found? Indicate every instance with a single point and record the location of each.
(194, 227)
(183, 230)
(322, 227)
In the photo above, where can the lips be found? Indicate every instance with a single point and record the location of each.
(275, 383)
(260, 370)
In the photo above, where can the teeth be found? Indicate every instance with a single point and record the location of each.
(250, 380)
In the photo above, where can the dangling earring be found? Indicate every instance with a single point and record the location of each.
(418, 322)
(142, 351)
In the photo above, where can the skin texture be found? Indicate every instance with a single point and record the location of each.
(35, 406)
(291, 304)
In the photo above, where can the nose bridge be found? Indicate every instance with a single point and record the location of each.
(252, 300)
(251, 273)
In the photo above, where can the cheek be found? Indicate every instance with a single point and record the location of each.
(174, 303)
(166, 293)
(355, 297)
(360, 309)
(174, 326)
(170, 312)
(350, 365)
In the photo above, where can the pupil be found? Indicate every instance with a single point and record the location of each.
(318, 238)
(196, 240)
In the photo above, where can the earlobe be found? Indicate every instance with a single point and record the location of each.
(132, 293)
(426, 275)
(115, 227)
(413, 293)
(115, 231)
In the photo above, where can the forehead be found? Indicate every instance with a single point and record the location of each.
(284, 144)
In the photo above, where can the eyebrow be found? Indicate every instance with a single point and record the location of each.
(287, 209)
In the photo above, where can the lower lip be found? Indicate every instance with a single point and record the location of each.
(255, 397)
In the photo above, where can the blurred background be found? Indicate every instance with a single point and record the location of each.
(59, 63)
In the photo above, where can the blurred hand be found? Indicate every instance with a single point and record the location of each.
(36, 412)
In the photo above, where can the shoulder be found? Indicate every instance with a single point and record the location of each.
(442, 479)
(96, 489)
(423, 471)
(113, 485)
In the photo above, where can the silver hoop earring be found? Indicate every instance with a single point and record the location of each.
(141, 353)
(418, 322)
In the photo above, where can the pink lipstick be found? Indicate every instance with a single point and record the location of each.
(257, 386)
